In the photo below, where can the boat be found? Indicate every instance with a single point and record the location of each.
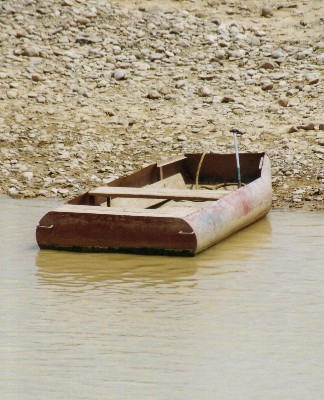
(180, 207)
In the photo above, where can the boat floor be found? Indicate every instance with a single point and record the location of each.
(163, 208)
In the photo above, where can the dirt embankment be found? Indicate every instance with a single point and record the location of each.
(95, 89)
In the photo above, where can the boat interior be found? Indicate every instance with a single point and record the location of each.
(188, 181)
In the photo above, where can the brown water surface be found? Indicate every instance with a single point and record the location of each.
(243, 320)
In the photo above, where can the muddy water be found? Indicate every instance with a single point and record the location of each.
(244, 320)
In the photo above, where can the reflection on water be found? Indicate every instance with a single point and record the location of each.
(57, 267)
(243, 320)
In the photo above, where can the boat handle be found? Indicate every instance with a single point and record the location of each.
(186, 233)
(46, 227)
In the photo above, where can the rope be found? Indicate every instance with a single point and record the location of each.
(198, 169)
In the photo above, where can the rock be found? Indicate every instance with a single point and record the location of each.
(182, 138)
(277, 54)
(153, 95)
(312, 79)
(213, 3)
(318, 150)
(119, 74)
(307, 127)
(179, 85)
(12, 94)
(266, 11)
(267, 86)
(65, 191)
(30, 51)
(37, 78)
(297, 198)
(28, 175)
(227, 99)
(204, 91)
(267, 65)
(293, 129)
(237, 53)
(283, 102)
(13, 191)
(109, 111)
(156, 56)
(321, 127)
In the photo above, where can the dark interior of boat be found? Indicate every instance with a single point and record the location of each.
(204, 171)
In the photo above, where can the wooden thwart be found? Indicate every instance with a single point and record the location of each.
(172, 182)
(175, 194)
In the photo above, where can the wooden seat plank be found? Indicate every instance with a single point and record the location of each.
(156, 193)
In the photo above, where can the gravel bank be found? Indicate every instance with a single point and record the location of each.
(96, 89)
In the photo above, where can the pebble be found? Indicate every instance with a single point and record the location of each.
(154, 95)
(283, 102)
(119, 74)
(182, 138)
(267, 86)
(267, 65)
(319, 150)
(12, 94)
(266, 12)
(277, 54)
(28, 175)
(307, 127)
(37, 78)
(30, 51)
(204, 91)
(227, 99)
(213, 3)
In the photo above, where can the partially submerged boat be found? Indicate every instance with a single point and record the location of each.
(180, 206)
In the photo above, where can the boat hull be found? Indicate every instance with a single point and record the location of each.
(154, 231)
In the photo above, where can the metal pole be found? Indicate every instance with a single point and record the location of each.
(238, 168)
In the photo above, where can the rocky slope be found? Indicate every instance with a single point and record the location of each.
(95, 89)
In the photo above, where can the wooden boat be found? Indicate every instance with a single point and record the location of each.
(181, 207)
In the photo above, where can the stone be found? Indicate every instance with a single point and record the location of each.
(119, 74)
(267, 65)
(213, 3)
(204, 91)
(153, 95)
(307, 127)
(30, 50)
(283, 102)
(37, 78)
(156, 56)
(179, 85)
(12, 94)
(182, 138)
(293, 129)
(28, 175)
(277, 54)
(267, 86)
(312, 79)
(266, 11)
(318, 150)
(227, 99)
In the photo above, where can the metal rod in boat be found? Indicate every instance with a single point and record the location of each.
(238, 168)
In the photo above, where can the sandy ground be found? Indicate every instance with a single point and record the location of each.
(95, 89)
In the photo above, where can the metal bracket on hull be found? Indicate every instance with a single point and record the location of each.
(45, 227)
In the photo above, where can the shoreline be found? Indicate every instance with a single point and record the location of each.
(94, 91)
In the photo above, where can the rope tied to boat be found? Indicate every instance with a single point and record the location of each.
(199, 168)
